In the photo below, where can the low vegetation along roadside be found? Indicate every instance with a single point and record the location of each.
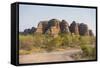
(44, 43)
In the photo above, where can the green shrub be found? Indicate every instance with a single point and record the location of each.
(88, 51)
(38, 40)
(48, 43)
(86, 40)
(75, 40)
(66, 40)
(24, 52)
(25, 42)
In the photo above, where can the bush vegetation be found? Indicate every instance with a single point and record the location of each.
(88, 52)
(46, 43)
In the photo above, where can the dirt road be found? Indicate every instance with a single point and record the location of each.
(49, 57)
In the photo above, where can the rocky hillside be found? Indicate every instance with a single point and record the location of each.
(55, 26)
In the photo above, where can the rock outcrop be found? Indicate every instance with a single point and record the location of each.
(91, 33)
(41, 28)
(83, 29)
(64, 27)
(74, 28)
(54, 26)
(32, 30)
(28, 31)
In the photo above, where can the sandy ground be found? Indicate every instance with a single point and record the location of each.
(48, 57)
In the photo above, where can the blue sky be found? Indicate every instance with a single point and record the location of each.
(30, 15)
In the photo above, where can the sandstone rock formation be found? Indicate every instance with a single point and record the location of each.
(91, 33)
(41, 27)
(64, 27)
(74, 28)
(32, 30)
(83, 29)
(54, 26)
(28, 31)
